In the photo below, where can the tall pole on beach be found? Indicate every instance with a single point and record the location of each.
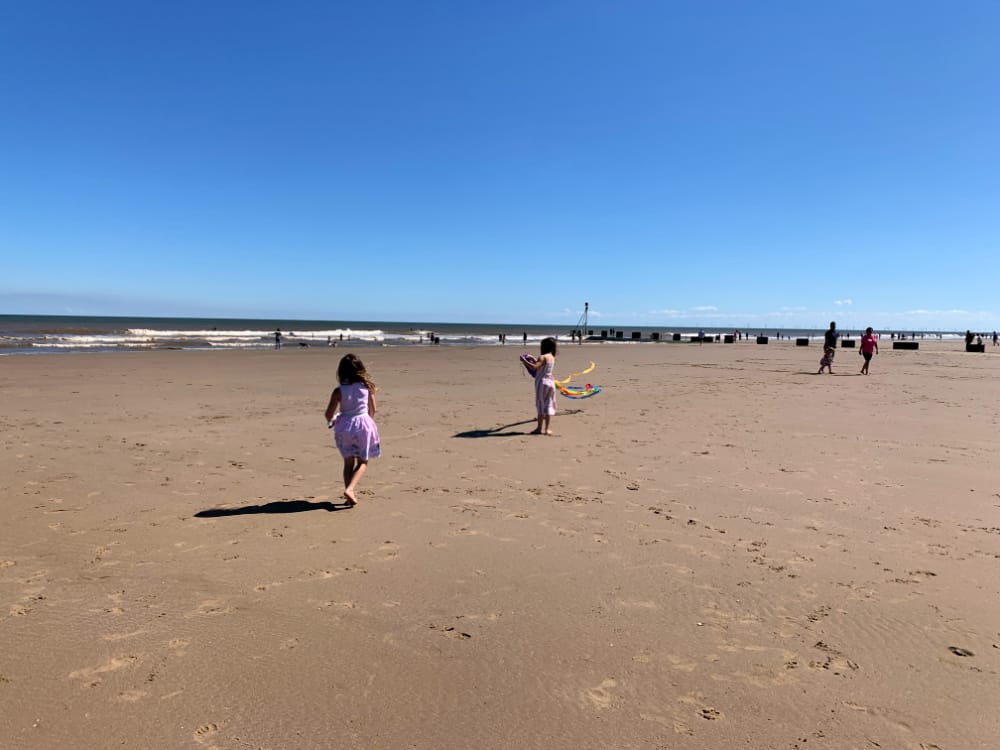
(586, 308)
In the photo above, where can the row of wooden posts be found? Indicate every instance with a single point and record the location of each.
(729, 338)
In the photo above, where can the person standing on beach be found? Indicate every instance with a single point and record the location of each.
(830, 339)
(277, 338)
(545, 385)
(869, 345)
(354, 429)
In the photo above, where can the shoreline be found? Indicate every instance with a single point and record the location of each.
(954, 343)
(52, 335)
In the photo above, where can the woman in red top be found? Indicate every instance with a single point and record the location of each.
(869, 345)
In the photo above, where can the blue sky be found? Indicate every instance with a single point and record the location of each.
(701, 163)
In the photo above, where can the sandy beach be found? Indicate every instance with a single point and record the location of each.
(721, 550)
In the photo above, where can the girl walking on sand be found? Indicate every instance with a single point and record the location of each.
(354, 430)
(545, 385)
(826, 362)
(869, 345)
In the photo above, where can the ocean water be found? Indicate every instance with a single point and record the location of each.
(50, 334)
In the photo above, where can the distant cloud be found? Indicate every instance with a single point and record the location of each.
(842, 302)
(792, 309)
(924, 313)
(705, 308)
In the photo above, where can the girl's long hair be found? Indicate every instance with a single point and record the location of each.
(549, 346)
(352, 370)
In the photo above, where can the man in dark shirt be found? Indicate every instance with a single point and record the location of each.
(830, 340)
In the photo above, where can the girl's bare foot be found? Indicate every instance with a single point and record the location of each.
(549, 432)
(535, 432)
(349, 497)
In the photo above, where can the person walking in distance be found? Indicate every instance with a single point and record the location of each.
(869, 346)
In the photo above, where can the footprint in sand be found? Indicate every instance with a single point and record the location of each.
(316, 573)
(211, 607)
(884, 714)
(451, 632)
(677, 725)
(131, 696)
(834, 661)
(387, 551)
(600, 697)
(203, 733)
(91, 674)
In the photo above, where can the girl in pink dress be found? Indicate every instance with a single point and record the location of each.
(545, 385)
(826, 361)
(354, 430)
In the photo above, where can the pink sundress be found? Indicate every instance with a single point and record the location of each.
(354, 430)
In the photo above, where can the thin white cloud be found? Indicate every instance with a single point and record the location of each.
(705, 308)
(924, 313)
(843, 302)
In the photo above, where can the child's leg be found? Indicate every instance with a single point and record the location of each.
(538, 429)
(359, 470)
(349, 469)
(545, 429)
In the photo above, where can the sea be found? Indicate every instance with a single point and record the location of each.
(59, 334)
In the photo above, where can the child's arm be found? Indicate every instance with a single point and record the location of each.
(537, 364)
(331, 408)
(371, 404)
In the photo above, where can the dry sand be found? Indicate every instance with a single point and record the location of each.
(722, 550)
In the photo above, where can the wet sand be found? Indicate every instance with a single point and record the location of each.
(722, 549)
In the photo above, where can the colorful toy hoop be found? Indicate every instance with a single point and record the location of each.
(569, 391)
(576, 391)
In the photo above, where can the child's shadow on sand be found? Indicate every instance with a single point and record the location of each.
(499, 431)
(496, 431)
(278, 506)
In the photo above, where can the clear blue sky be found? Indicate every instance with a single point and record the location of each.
(702, 163)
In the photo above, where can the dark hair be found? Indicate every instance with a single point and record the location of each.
(549, 346)
(352, 370)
